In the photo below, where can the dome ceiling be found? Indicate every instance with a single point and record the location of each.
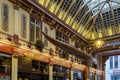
(90, 18)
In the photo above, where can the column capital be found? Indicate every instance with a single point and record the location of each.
(42, 17)
(16, 6)
(31, 9)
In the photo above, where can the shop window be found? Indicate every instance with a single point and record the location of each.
(5, 67)
(43, 67)
(32, 69)
(35, 29)
(5, 14)
(24, 63)
(99, 77)
(77, 74)
(39, 66)
(61, 73)
(92, 76)
(35, 65)
(23, 27)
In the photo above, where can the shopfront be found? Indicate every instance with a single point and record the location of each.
(29, 69)
(99, 77)
(78, 74)
(5, 66)
(92, 76)
(61, 73)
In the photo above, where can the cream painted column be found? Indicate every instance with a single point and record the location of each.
(50, 71)
(95, 76)
(71, 74)
(14, 67)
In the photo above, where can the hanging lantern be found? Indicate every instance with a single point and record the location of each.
(99, 43)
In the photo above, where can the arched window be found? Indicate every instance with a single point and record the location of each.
(5, 13)
(23, 26)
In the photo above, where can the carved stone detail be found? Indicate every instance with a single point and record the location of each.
(16, 6)
(42, 17)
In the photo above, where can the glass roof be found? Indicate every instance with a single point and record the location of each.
(90, 18)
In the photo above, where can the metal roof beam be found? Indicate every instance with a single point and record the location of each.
(92, 17)
(87, 23)
(57, 11)
(95, 32)
(111, 9)
(57, 6)
(87, 13)
(95, 18)
(67, 12)
(49, 5)
(78, 11)
(103, 24)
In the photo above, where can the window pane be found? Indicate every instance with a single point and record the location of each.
(23, 27)
(32, 33)
(77, 74)
(37, 33)
(35, 65)
(24, 63)
(91, 76)
(116, 61)
(5, 67)
(46, 41)
(38, 23)
(5, 17)
(111, 62)
(60, 73)
(33, 20)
